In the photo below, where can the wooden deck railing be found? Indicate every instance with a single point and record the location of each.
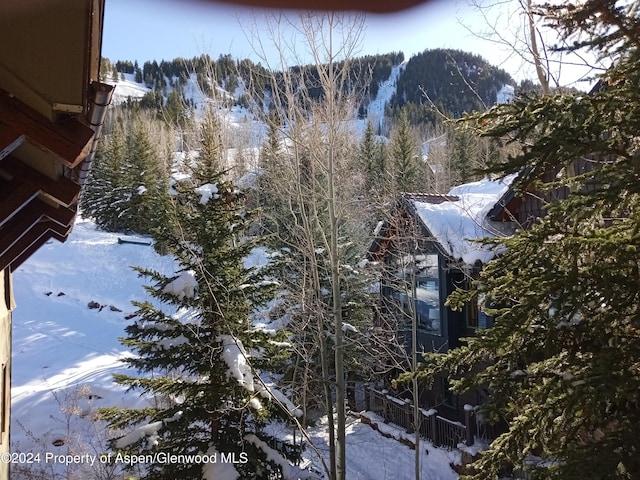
(440, 431)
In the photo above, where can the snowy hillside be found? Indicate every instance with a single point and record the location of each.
(386, 91)
(73, 300)
(242, 125)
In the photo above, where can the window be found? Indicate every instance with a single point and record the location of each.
(476, 316)
(427, 304)
(472, 314)
(415, 290)
(484, 320)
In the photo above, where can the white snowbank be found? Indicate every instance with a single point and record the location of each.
(289, 472)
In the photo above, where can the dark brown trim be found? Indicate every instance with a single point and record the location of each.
(31, 249)
(15, 229)
(10, 139)
(31, 241)
(70, 140)
(16, 195)
(63, 190)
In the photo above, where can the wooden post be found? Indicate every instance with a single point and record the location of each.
(367, 397)
(385, 408)
(433, 420)
(468, 424)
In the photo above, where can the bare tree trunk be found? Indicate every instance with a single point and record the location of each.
(318, 155)
(542, 71)
(341, 462)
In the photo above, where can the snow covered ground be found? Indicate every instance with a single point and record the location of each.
(64, 355)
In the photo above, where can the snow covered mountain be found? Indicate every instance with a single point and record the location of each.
(391, 85)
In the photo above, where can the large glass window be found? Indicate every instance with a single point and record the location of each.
(415, 290)
(427, 301)
(484, 320)
(476, 314)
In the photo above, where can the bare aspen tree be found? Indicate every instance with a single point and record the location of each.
(311, 107)
(516, 27)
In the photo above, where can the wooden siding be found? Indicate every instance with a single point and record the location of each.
(527, 207)
(6, 306)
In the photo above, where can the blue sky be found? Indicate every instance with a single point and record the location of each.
(165, 29)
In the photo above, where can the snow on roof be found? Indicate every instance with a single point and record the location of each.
(460, 217)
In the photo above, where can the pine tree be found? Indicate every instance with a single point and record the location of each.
(561, 361)
(373, 161)
(102, 194)
(407, 167)
(175, 111)
(128, 186)
(211, 148)
(197, 353)
(464, 153)
(146, 187)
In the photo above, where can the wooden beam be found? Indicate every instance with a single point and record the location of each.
(25, 242)
(34, 212)
(15, 229)
(63, 190)
(10, 139)
(24, 256)
(16, 195)
(33, 239)
(20, 259)
(61, 215)
(69, 140)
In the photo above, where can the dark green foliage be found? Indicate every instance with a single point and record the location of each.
(152, 101)
(176, 112)
(410, 173)
(127, 188)
(561, 362)
(455, 81)
(124, 66)
(417, 113)
(373, 162)
(105, 68)
(469, 154)
(362, 77)
(182, 337)
(211, 149)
